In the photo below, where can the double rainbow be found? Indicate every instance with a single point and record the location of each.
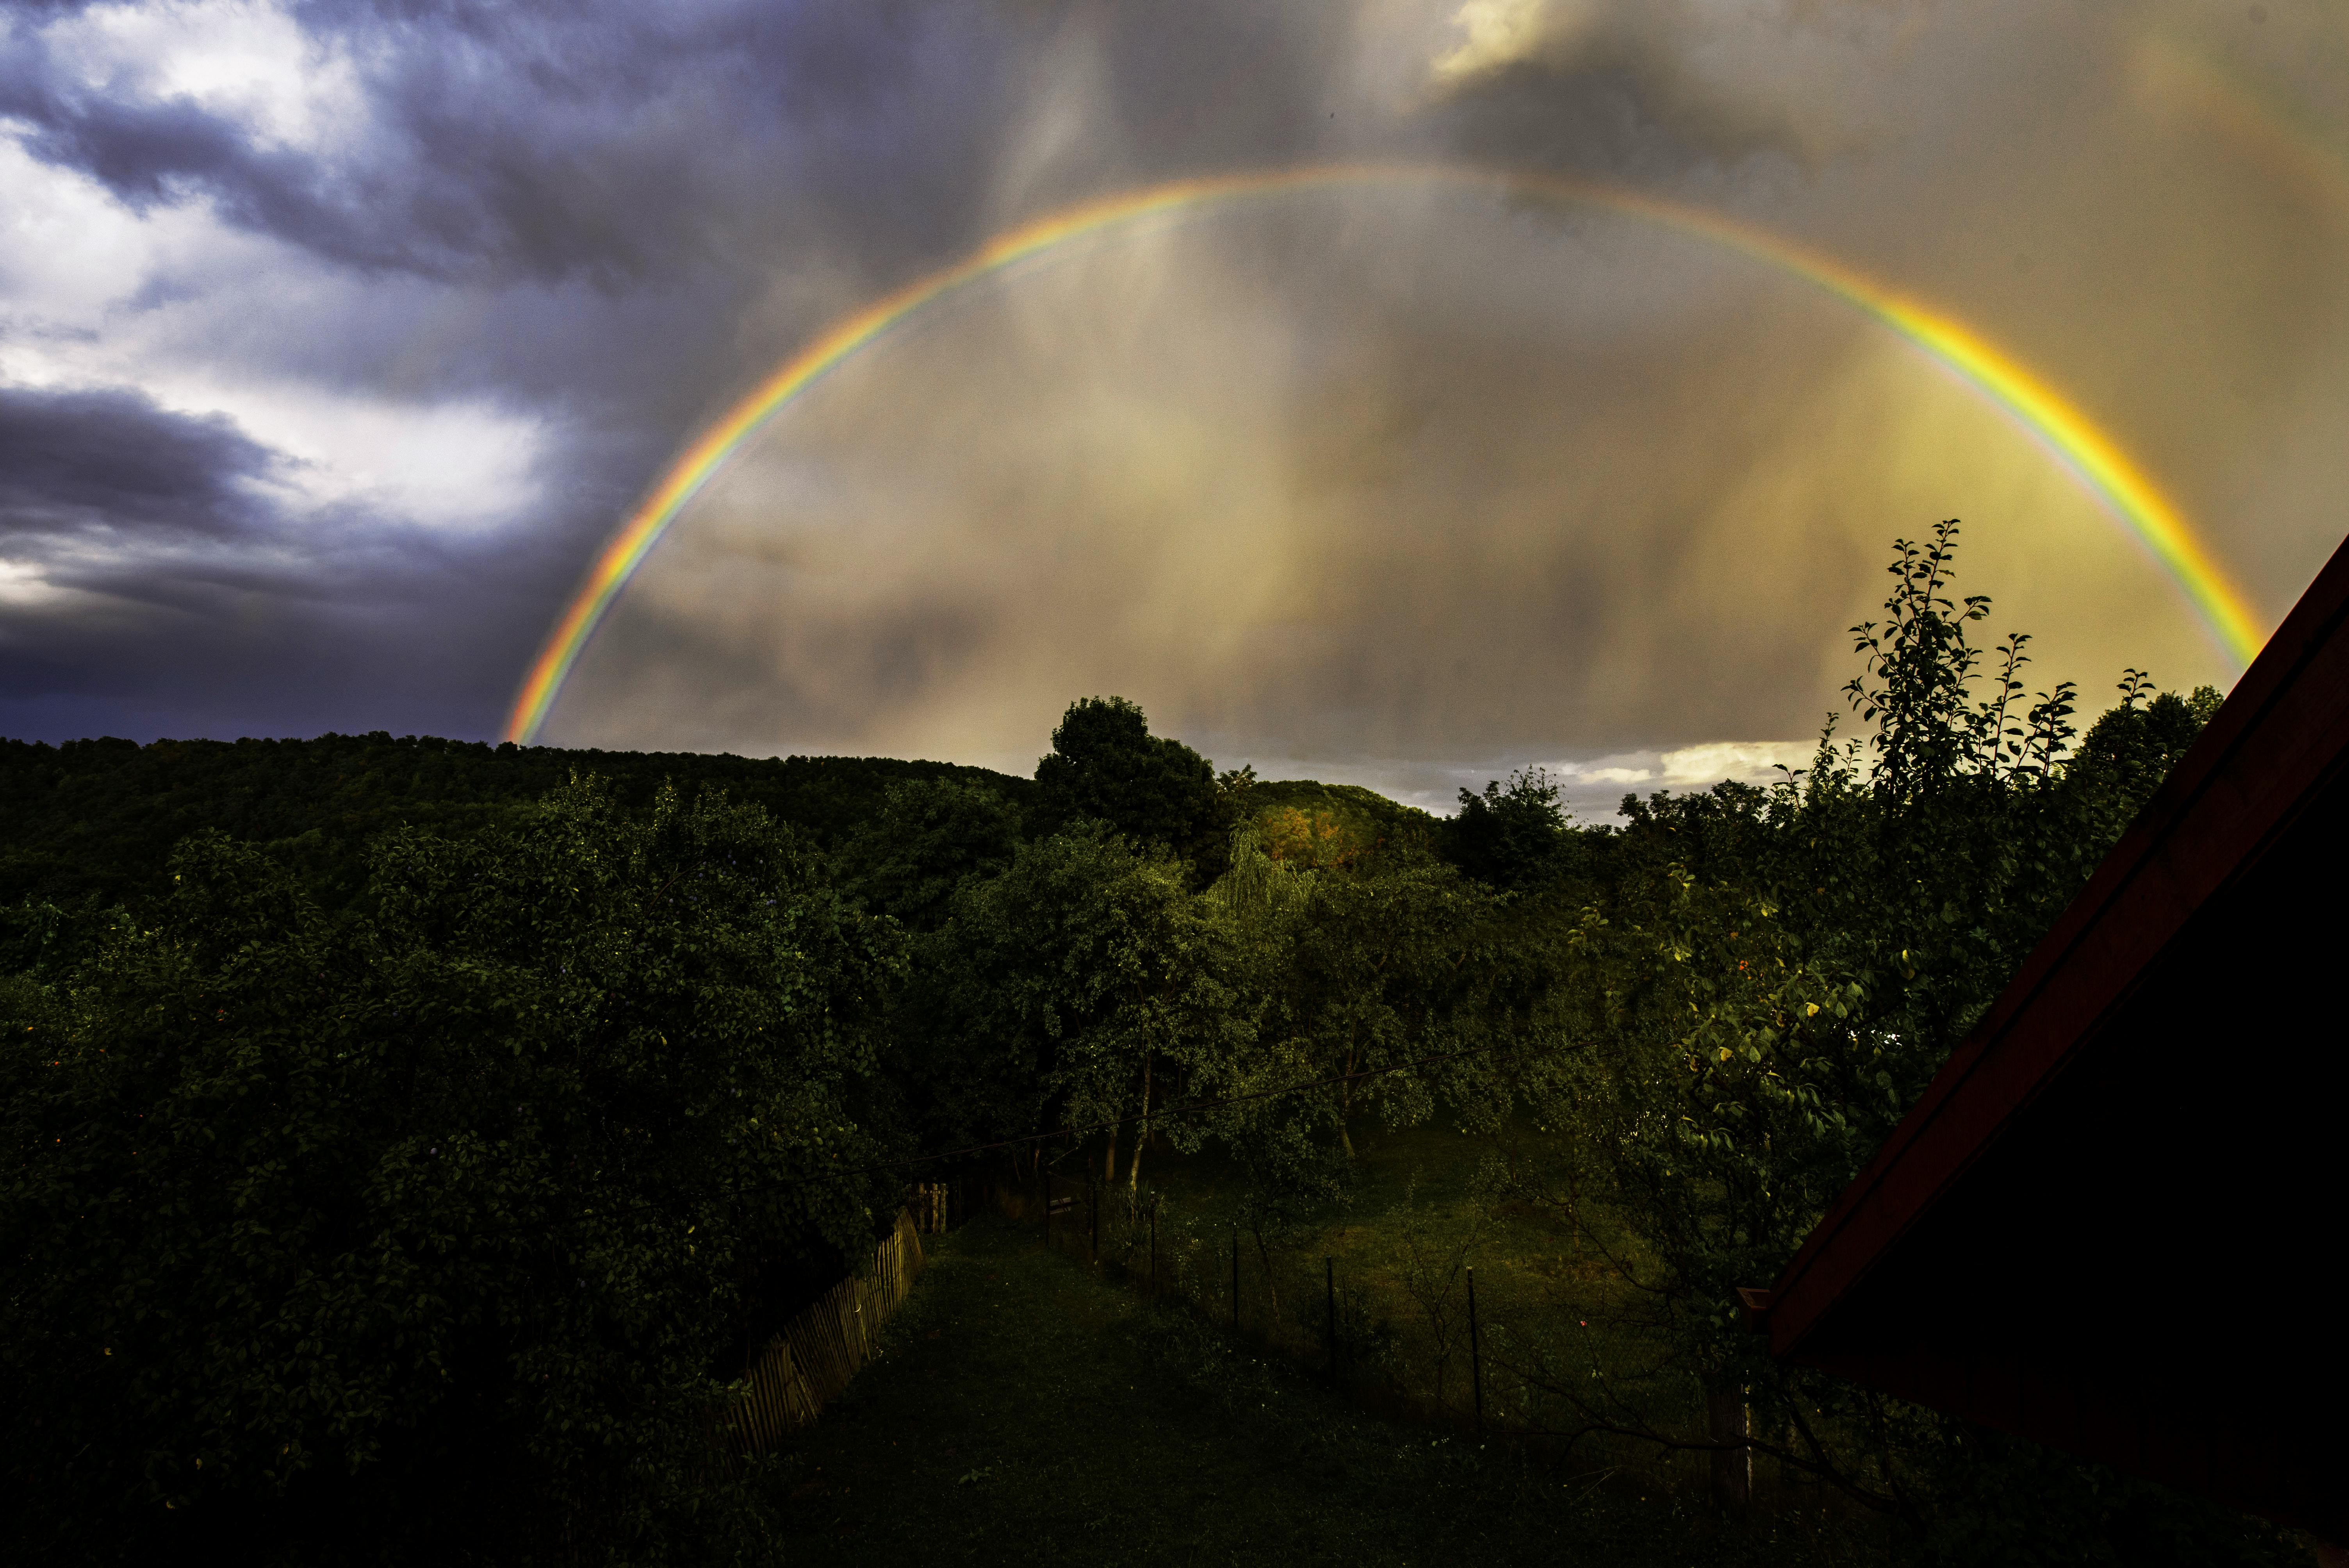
(2100, 464)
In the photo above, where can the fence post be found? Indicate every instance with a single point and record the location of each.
(1475, 1354)
(1330, 1282)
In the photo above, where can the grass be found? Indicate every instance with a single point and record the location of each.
(1026, 1409)
(1545, 1299)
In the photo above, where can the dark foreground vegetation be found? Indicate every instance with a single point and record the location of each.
(410, 1141)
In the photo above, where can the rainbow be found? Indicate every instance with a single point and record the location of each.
(2100, 464)
(2262, 126)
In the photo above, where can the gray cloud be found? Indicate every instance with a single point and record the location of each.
(111, 461)
(1652, 85)
(616, 142)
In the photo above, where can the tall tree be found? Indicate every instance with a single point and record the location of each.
(1512, 836)
(1772, 978)
(1106, 764)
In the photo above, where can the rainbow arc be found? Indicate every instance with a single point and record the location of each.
(2099, 461)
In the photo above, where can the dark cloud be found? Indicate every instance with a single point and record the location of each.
(108, 493)
(111, 463)
(182, 592)
(614, 143)
(622, 141)
(148, 153)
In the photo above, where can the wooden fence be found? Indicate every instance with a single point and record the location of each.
(930, 1204)
(813, 1359)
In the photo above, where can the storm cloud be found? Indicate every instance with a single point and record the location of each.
(334, 338)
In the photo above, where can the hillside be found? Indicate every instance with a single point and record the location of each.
(1344, 820)
(96, 818)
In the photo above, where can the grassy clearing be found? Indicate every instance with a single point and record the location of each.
(1549, 1302)
(1026, 1409)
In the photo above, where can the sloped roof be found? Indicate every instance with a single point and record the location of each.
(2114, 1221)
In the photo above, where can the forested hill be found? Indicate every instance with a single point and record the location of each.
(97, 818)
(1349, 808)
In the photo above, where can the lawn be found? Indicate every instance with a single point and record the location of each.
(1028, 1410)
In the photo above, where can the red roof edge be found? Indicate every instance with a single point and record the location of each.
(2240, 783)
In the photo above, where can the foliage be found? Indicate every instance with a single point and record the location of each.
(1774, 975)
(1332, 824)
(1106, 765)
(1514, 835)
(393, 1227)
(929, 834)
(97, 819)
(446, 1143)
(1312, 841)
(1375, 973)
(1057, 990)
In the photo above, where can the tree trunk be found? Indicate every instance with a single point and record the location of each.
(1573, 1214)
(1133, 1171)
(1346, 1110)
(1109, 1161)
(1271, 1291)
(1733, 1469)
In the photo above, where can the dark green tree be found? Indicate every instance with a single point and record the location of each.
(929, 835)
(1106, 764)
(1064, 993)
(438, 1225)
(1514, 836)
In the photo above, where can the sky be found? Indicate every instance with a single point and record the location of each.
(337, 340)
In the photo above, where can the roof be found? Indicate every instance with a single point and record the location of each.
(2111, 1222)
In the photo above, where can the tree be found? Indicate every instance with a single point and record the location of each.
(440, 1223)
(1106, 765)
(1512, 836)
(1064, 992)
(929, 835)
(1772, 977)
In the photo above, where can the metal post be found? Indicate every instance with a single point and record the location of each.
(1094, 1211)
(1047, 1212)
(1154, 1247)
(1329, 1280)
(1475, 1353)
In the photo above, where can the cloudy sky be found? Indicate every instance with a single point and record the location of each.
(335, 339)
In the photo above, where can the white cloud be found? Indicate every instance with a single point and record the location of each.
(81, 306)
(241, 59)
(22, 586)
(1745, 761)
(464, 465)
(1499, 33)
(68, 252)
